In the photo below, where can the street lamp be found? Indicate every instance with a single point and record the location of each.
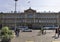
(15, 11)
(15, 4)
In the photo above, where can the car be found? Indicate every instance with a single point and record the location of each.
(27, 30)
(50, 28)
(24, 29)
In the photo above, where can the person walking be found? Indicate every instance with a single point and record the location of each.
(58, 32)
(17, 32)
(42, 30)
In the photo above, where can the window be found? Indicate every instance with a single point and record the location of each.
(30, 15)
(36, 20)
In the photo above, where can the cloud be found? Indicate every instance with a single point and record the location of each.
(39, 5)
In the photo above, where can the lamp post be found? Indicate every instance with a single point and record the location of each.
(15, 11)
(15, 4)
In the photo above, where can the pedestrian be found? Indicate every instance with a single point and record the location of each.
(58, 32)
(42, 30)
(17, 32)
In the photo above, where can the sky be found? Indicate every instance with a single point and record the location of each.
(38, 5)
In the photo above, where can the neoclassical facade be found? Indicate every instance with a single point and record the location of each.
(30, 18)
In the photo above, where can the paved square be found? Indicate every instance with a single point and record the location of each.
(55, 41)
(29, 41)
(34, 37)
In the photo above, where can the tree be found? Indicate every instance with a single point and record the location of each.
(6, 34)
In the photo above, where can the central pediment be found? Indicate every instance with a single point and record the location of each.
(30, 11)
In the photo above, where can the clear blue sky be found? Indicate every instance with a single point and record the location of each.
(39, 5)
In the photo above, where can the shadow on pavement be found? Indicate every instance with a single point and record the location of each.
(54, 37)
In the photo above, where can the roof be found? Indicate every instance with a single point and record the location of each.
(30, 10)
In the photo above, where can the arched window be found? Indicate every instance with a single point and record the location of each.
(29, 15)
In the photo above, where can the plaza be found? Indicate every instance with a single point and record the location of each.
(35, 37)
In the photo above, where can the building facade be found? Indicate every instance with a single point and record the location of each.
(30, 18)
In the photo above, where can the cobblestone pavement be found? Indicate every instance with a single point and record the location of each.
(34, 37)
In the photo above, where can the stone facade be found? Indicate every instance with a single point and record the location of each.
(29, 18)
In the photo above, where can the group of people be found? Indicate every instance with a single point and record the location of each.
(57, 31)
